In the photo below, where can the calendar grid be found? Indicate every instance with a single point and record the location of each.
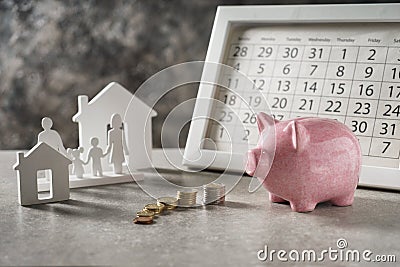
(349, 82)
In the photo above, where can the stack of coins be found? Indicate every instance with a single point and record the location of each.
(169, 202)
(156, 208)
(146, 215)
(187, 198)
(214, 193)
(183, 199)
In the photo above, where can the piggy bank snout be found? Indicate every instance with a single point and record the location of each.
(257, 163)
(250, 162)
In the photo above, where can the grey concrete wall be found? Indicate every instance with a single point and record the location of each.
(52, 51)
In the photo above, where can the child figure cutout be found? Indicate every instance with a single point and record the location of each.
(77, 163)
(95, 153)
(116, 143)
(50, 136)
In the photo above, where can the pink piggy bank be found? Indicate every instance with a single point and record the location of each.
(316, 160)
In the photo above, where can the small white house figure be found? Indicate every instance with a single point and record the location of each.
(42, 157)
(93, 119)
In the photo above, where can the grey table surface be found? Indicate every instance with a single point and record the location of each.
(95, 226)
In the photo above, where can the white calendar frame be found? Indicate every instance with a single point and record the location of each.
(226, 17)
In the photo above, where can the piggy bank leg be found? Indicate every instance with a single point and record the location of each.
(302, 206)
(342, 201)
(276, 199)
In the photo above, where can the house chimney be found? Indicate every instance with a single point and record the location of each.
(20, 158)
(83, 101)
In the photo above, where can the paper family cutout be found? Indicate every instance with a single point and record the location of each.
(93, 118)
(116, 143)
(50, 155)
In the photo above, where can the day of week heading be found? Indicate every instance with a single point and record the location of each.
(268, 39)
(293, 39)
(319, 39)
(374, 40)
(345, 40)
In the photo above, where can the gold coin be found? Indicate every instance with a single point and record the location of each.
(169, 202)
(145, 213)
(143, 220)
(171, 207)
(156, 208)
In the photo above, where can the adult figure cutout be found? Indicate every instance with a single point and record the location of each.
(116, 143)
(50, 136)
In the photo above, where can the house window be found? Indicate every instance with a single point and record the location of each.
(48, 174)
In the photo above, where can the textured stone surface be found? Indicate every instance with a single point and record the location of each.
(52, 51)
(95, 227)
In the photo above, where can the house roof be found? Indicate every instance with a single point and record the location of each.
(114, 91)
(42, 149)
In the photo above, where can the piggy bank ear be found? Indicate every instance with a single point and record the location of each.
(265, 121)
(300, 137)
